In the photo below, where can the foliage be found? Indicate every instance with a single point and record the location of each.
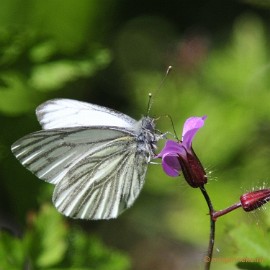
(45, 68)
(255, 243)
(49, 243)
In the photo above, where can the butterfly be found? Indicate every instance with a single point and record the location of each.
(96, 157)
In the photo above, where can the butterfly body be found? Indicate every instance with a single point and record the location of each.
(96, 157)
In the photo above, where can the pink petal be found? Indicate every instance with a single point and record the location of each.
(191, 127)
(171, 165)
(170, 147)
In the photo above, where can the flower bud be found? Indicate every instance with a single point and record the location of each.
(253, 200)
(192, 169)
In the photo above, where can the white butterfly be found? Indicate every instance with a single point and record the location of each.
(96, 157)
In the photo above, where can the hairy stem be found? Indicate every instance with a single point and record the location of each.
(209, 254)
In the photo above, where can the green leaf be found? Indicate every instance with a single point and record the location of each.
(46, 241)
(12, 253)
(55, 75)
(49, 243)
(251, 243)
(90, 251)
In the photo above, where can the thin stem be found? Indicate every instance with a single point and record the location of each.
(217, 214)
(212, 229)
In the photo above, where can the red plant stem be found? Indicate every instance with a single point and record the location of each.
(212, 229)
(216, 214)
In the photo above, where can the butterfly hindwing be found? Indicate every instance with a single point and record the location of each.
(102, 186)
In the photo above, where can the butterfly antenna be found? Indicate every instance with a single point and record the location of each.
(150, 95)
(175, 135)
(149, 105)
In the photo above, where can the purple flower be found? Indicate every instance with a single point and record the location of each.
(179, 157)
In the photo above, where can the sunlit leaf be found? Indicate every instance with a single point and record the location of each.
(54, 75)
(47, 238)
(251, 243)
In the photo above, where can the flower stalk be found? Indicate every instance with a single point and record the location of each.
(212, 228)
(217, 214)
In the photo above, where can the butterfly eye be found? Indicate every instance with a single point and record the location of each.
(148, 124)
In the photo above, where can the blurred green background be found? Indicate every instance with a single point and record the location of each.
(114, 53)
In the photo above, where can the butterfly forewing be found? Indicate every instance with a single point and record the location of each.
(49, 153)
(98, 170)
(62, 113)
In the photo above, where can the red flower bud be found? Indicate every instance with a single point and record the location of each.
(253, 200)
(192, 169)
